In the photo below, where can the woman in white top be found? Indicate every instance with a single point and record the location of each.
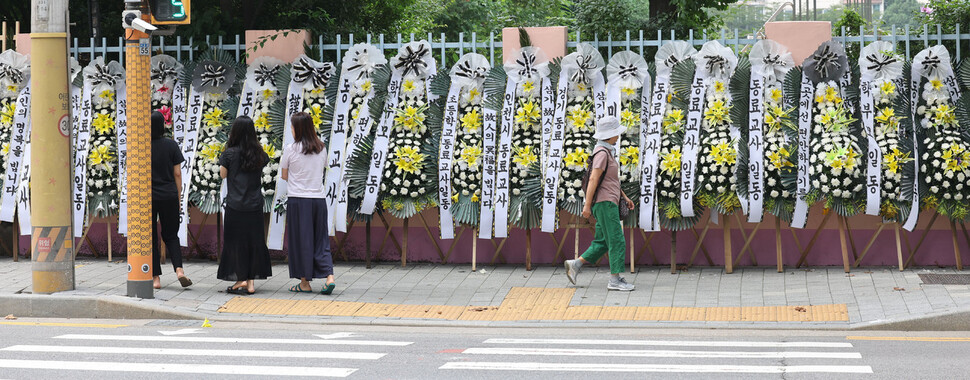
(302, 167)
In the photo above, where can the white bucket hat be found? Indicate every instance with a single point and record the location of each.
(607, 128)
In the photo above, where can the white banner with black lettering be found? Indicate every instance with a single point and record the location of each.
(121, 132)
(756, 147)
(277, 219)
(19, 135)
(504, 162)
(361, 131)
(190, 142)
(83, 133)
(446, 152)
(376, 171)
(23, 193)
(691, 147)
(553, 163)
(489, 133)
(650, 154)
(804, 139)
(336, 159)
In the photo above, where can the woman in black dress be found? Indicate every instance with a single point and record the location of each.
(244, 256)
(166, 186)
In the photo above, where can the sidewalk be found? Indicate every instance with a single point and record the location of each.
(424, 294)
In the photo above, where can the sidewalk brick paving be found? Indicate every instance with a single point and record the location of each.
(385, 291)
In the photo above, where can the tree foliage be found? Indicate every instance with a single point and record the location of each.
(900, 13)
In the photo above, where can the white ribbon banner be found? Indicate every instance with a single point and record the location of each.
(548, 109)
(599, 96)
(23, 194)
(337, 157)
(553, 163)
(121, 132)
(15, 155)
(179, 113)
(446, 152)
(489, 132)
(83, 133)
(277, 221)
(692, 130)
(376, 172)
(874, 162)
(361, 131)
(612, 100)
(650, 154)
(190, 142)
(756, 147)
(804, 139)
(504, 163)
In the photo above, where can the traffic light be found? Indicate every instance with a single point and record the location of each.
(170, 12)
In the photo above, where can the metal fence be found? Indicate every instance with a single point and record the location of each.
(909, 39)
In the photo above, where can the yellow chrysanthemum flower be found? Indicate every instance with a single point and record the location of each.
(317, 91)
(842, 158)
(673, 120)
(628, 91)
(628, 119)
(470, 155)
(576, 158)
(262, 123)
(719, 86)
(894, 159)
(579, 117)
(101, 156)
(5, 149)
(408, 159)
(473, 94)
(454, 198)
(528, 113)
(213, 118)
(887, 116)
(6, 113)
(831, 94)
(956, 158)
(103, 124)
(212, 151)
(524, 156)
(410, 118)
(945, 114)
(819, 98)
(630, 157)
(670, 162)
(475, 198)
(267, 93)
(12, 88)
(471, 121)
(888, 88)
(724, 154)
(366, 86)
(936, 84)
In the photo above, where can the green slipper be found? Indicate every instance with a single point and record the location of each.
(329, 289)
(296, 289)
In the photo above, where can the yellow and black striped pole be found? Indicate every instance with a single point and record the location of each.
(139, 164)
(50, 181)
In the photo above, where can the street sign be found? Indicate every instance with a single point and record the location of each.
(170, 12)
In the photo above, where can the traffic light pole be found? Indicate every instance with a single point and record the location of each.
(139, 163)
(52, 255)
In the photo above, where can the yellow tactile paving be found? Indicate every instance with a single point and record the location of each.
(525, 304)
(341, 309)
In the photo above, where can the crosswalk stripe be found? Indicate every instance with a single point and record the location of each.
(659, 353)
(197, 352)
(200, 339)
(670, 343)
(216, 369)
(594, 367)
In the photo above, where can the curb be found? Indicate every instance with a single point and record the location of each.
(94, 307)
(950, 320)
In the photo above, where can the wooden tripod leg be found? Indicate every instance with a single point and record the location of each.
(912, 254)
(845, 248)
(109, 242)
(646, 247)
(869, 244)
(498, 250)
(474, 249)
(343, 240)
(848, 233)
(746, 248)
(434, 241)
(632, 254)
(700, 242)
(728, 250)
(368, 237)
(956, 245)
(899, 247)
(528, 249)
(15, 243)
(673, 252)
(404, 248)
(808, 248)
(778, 256)
(560, 243)
(454, 243)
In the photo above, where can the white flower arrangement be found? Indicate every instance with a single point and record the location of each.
(526, 133)
(779, 150)
(894, 156)
(466, 170)
(102, 160)
(206, 181)
(835, 160)
(718, 158)
(945, 157)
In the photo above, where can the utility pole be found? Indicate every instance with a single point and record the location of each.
(139, 163)
(50, 181)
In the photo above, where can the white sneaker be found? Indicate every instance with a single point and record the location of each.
(571, 271)
(620, 285)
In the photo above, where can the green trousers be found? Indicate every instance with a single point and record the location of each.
(608, 237)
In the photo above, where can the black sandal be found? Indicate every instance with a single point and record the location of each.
(239, 291)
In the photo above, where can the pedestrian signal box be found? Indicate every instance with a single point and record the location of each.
(170, 12)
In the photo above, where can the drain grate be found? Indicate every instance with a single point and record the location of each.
(945, 279)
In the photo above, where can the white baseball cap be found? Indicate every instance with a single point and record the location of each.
(607, 128)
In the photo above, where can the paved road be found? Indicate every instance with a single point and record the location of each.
(32, 349)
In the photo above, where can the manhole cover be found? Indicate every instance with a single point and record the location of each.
(945, 279)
